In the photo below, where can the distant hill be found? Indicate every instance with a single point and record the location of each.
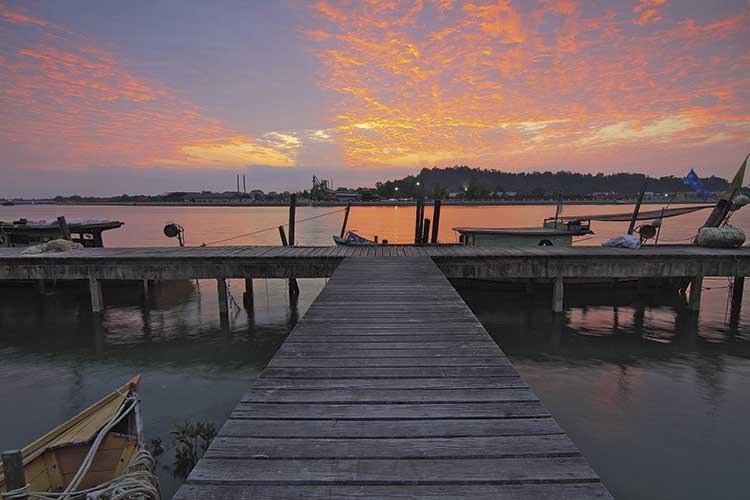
(479, 183)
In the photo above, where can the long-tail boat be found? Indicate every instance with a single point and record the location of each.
(94, 447)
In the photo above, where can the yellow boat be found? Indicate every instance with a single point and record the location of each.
(113, 426)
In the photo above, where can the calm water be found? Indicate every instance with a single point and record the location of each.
(655, 398)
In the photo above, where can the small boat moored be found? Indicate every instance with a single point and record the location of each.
(23, 232)
(352, 239)
(99, 449)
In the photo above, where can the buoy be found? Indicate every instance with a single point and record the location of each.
(720, 237)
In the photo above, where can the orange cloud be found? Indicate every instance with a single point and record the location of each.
(506, 83)
(68, 104)
(649, 11)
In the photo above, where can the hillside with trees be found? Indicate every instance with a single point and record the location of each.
(474, 183)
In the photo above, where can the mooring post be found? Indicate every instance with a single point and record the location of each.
(248, 297)
(221, 288)
(15, 477)
(145, 291)
(418, 222)
(425, 232)
(738, 288)
(282, 235)
(95, 288)
(64, 227)
(696, 287)
(346, 219)
(435, 221)
(557, 294)
(292, 212)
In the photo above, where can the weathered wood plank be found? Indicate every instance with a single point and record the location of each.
(339, 395)
(370, 429)
(310, 384)
(391, 372)
(368, 411)
(550, 491)
(321, 448)
(411, 362)
(400, 471)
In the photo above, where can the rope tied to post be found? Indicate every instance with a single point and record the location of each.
(273, 228)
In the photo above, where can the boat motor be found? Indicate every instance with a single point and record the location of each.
(173, 230)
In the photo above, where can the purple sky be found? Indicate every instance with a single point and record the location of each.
(147, 97)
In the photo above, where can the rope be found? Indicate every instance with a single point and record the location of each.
(22, 492)
(139, 482)
(122, 412)
(269, 228)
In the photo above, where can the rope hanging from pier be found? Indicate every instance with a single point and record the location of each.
(273, 228)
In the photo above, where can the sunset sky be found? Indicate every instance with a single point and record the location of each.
(147, 97)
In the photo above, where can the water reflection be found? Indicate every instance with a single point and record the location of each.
(58, 357)
(654, 394)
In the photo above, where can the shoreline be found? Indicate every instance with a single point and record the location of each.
(463, 203)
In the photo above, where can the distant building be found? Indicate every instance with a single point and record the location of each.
(342, 195)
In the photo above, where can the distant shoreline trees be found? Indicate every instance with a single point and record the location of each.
(475, 183)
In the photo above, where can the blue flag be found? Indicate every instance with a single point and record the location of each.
(694, 182)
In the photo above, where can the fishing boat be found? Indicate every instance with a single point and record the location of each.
(23, 232)
(92, 449)
(553, 232)
(352, 239)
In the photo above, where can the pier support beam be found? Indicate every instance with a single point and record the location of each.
(146, 291)
(248, 298)
(221, 287)
(97, 302)
(738, 287)
(696, 287)
(557, 294)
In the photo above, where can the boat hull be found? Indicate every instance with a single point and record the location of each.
(52, 461)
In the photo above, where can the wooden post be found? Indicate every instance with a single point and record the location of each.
(42, 286)
(425, 232)
(738, 288)
(248, 297)
(418, 222)
(637, 209)
(696, 287)
(221, 288)
(293, 286)
(435, 221)
(346, 219)
(282, 234)
(97, 302)
(15, 477)
(145, 291)
(292, 214)
(64, 227)
(557, 294)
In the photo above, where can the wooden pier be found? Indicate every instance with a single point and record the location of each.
(490, 263)
(389, 387)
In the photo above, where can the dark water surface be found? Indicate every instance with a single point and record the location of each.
(658, 399)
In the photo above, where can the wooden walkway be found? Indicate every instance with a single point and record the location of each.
(389, 387)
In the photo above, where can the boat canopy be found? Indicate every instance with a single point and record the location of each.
(626, 216)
